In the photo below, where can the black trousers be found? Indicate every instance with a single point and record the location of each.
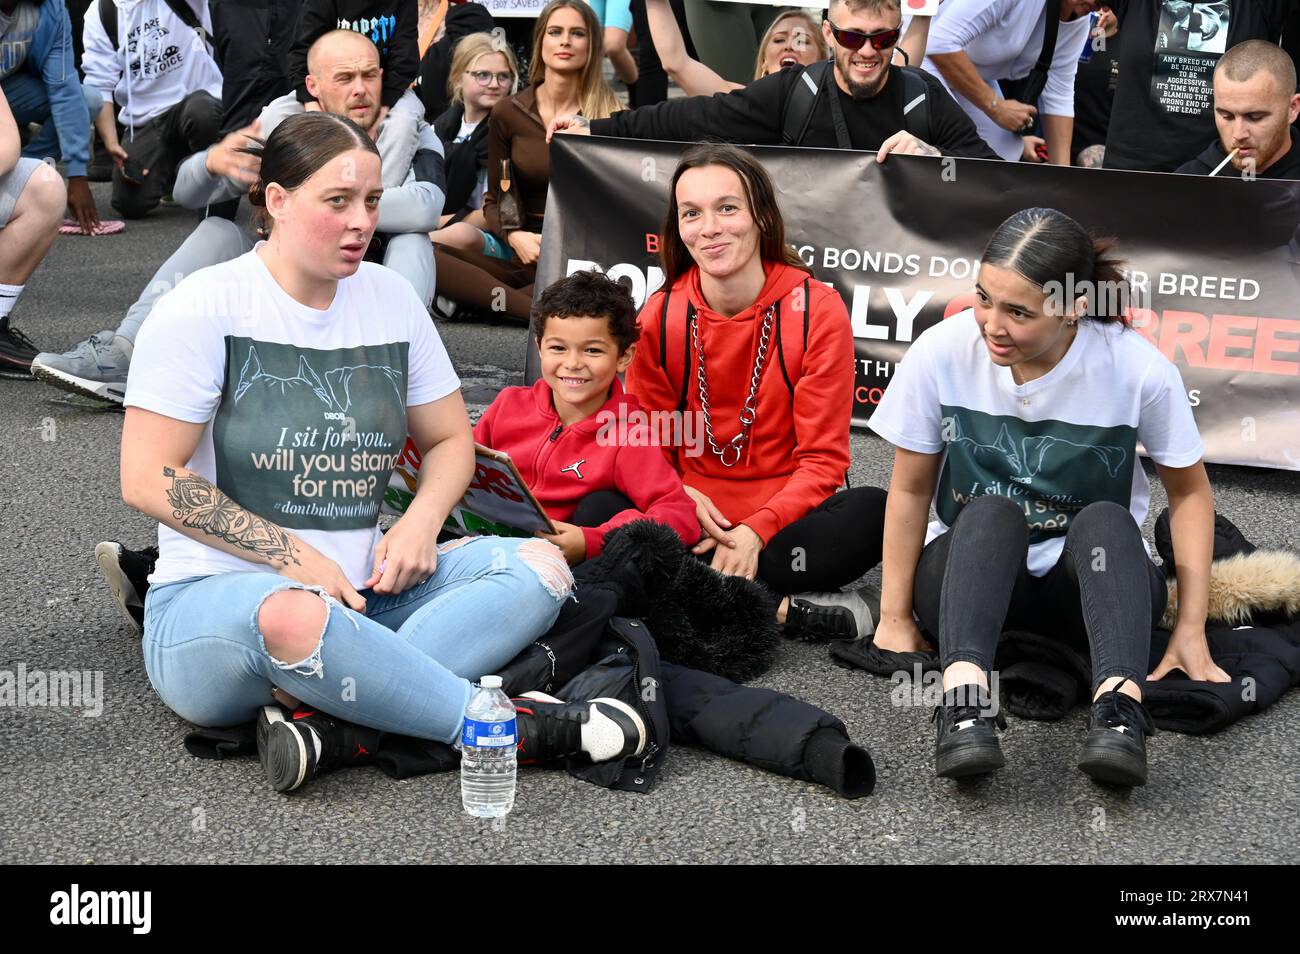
(252, 39)
(159, 145)
(1102, 597)
(651, 85)
(831, 546)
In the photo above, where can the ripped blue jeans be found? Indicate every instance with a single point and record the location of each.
(404, 667)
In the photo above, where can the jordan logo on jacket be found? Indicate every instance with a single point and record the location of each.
(574, 467)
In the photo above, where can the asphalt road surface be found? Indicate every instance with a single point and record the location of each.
(120, 787)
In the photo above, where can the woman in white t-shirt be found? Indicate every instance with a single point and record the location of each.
(267, 400)
(1020, 420)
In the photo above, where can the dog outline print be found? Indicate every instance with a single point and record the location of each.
(333, 389)
(1027, 460)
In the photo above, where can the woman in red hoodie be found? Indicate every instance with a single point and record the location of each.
(757, 357)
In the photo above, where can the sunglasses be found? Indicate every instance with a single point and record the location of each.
(485, 77)
(856, 40)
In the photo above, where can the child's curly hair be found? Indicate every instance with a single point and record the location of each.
(588, 294)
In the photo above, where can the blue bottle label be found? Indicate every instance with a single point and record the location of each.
(488, 734)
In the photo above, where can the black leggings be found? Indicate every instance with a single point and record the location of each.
(1102, 597)
(832, 545)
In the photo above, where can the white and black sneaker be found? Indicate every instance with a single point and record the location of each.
(127, 574)
(818, 617)
(600, 729)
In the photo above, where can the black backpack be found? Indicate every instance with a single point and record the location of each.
(799, 107)
(184, 12)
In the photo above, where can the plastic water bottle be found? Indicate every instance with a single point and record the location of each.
(487, 752)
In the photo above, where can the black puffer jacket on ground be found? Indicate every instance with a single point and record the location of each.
(1253, 634)
(593, 651)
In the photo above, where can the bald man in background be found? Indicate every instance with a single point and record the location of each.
(345, 77)
(1255, 103)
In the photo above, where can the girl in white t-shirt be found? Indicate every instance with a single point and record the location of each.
(267, 400)
(1020, 420)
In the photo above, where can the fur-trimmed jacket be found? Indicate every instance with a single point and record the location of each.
(1253, 632)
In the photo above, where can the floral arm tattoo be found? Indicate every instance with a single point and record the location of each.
(196, 503)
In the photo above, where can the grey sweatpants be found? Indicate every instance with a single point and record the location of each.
(217, 240)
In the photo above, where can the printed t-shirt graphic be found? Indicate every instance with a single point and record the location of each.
(1050, 469)
(151, 50)
(1053, 444)
(288, 435)
(1190, 38)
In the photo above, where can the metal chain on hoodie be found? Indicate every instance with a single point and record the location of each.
(748, 411)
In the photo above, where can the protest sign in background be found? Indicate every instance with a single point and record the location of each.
(514, 8)
(901, 242)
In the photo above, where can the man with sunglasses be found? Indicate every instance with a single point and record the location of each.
(861, 102)
(975, 43)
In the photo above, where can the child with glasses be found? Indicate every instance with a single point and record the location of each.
(483, 72)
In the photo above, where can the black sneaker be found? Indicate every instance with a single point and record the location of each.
(307, 743)
(1115, 750)
(127, 574)
(818, 617)
(966, 743)
(600, 729)
(16, 353)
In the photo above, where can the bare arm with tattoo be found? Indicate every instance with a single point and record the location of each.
(156, 482)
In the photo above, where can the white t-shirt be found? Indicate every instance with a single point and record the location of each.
(305, 409)
(1053, 445)
(1003, 38)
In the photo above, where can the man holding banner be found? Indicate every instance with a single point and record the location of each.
(859, 102)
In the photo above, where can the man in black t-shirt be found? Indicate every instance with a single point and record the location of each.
(1163, 109)
(1255, 103)
(863, 108)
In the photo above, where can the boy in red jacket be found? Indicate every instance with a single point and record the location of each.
(580, 442)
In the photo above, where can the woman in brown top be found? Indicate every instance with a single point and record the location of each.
(566, 78)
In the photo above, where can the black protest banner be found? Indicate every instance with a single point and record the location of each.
(1215, 259)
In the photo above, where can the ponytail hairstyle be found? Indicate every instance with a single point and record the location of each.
(760, 193)
(296, 150)
(1051, 250)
